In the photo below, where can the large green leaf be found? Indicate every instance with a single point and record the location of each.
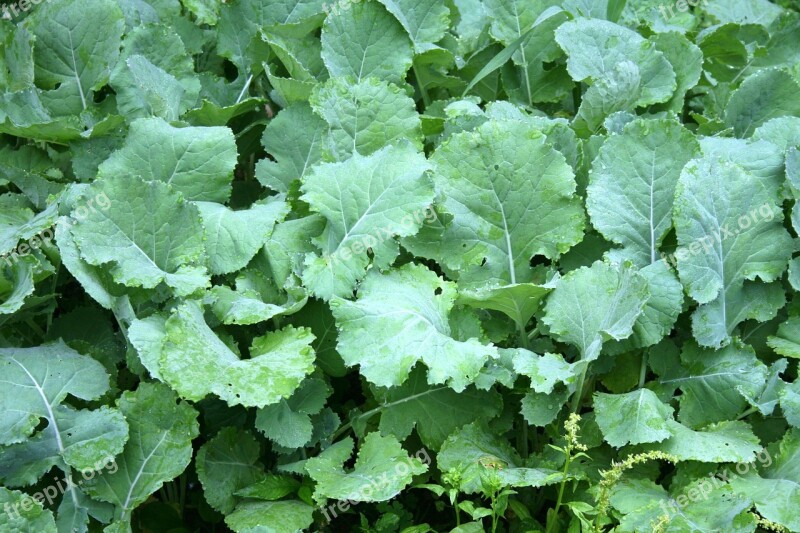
(227, 463)
(632, 186)
(730, 233)
(367, 202)
(73, 51)
(196, 362)
(366, 41)
(511, 197)
(365, 116)
(775, 488)
(159, 448)
(197, 162)
(37, 381)
(618, 298)
(632, 418)
(715, 384)
(233, 238)
(150, 235)
(594, 47)
(381, 470)
(395, 316)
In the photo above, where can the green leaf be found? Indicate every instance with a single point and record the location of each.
(196, 362)
(715, 384)
(381, 470)
(790, 403)
(619, 295)
(151, 235)
(511, 197)
(159, 449)
(686, 59)
(288, 423)
(632, 418)
(476, 453)
(366, 41)
(197, 162)
(206, 11)
(227, 463)
(632, 186)
(764, 95)
(36, 383)
(774, 489)
(786, 341)
(19, 515)
(527, 30)
(726, 442)
(365, 116)
(426, 23)
(294, 140)
(288, 516)
(594, 47)
(255, 300)
(367, 202)
(742, 12)
(154, 76)
(233, 238)
(545, 371)
(617, 92)
(435, 412)
(519, 302)
(730, 233)
(660, 312)
(75, 51)
(394, 315)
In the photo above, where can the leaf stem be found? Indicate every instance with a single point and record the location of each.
(576, 400)
(425, 98)
(244, 89)
(643, 369)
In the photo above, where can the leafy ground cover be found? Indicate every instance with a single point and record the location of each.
(399, 266)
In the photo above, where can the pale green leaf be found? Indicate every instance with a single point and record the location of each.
(511, 197)
(366, 41)
(367, 202)
(197, 162)
(394, 316)
(619, 295)
(725, 244)
(594, 47)
(159, 449)
(287, 516)
(381, 470)
(632, 418)
(196, 362)
(632, 186)
(151, 235)
(365, 116)
(226, 463)
(232, 238)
